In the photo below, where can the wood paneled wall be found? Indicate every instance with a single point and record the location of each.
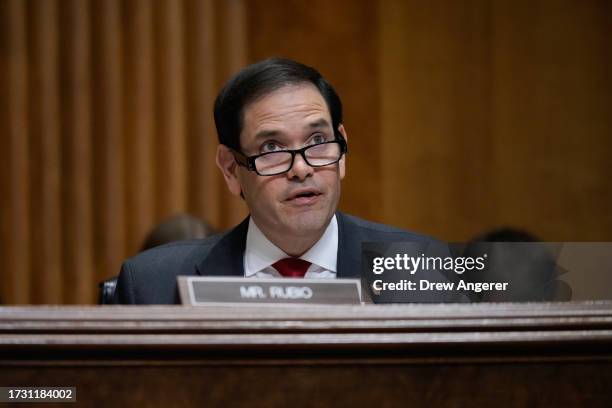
(106, 129)
(461, 116)
(497, 113)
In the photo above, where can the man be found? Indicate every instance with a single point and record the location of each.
(283, 150)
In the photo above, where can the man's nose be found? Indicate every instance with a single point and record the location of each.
(300, 169)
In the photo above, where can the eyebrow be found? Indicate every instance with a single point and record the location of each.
(317, 124)
(263, 134)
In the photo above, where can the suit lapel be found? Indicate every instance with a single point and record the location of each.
(226, 257)
(349, 248)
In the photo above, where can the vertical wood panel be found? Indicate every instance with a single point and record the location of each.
(204, 180)
(4, 150)
(139, 96)
(436, 134)
(91, 85)
(79, 280)
(505, 112)
(16, 245)
(231, 45)
(109, 184)
(45, 205)
(171, 153)
(553, 112)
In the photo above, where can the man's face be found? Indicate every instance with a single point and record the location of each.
(302, 201)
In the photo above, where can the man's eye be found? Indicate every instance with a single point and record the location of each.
(316, 139)
(269, 147)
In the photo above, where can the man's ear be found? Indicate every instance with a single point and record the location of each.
(342, 163)
(228, 166)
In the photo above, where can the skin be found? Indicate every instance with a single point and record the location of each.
(288, 118)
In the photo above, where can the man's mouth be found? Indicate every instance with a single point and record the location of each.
(304, 197)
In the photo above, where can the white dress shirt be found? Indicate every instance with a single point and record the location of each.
(260, 254)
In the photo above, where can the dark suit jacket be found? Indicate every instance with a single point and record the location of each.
(150, 277)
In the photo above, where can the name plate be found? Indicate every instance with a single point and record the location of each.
(200, 291)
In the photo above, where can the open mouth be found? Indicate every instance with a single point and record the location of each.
(304, 196)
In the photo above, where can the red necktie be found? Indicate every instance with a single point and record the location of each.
(292, 267)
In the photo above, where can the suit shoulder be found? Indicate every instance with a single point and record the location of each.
(378, 230)
(150, 276)
(169, 257)
(177, 251)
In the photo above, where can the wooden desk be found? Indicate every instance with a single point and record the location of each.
(382, 356)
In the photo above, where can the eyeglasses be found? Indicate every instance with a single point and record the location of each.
(279, 162)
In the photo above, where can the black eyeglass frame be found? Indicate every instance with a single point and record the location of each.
(249, 161)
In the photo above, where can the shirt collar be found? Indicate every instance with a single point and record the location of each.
(260, 253)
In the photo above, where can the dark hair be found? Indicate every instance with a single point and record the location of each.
(260, 79)
(506, 234)
(177, 228)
